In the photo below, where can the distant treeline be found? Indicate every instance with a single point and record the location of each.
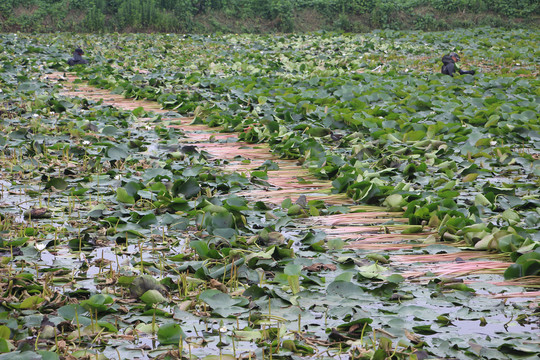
(261, 16)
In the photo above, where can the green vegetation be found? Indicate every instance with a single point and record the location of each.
(134, 229)
(261, 16)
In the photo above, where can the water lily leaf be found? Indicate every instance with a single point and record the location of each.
(412, 229)
(357, 327)
(292, 269)
(150, 328)
(480, 199)
(4, 332)
(518, 350)
(294, 209)
(223, 304)
(470, 177)
(424, 330)
(344, 276)
(70, 312)
(254, 292)
(123, 196)
(394, 201)
(152, 297)
(147, 220)
(189, 188)
(212, 208)
(109, 130)
(248, 335)
(99, 302)
(15, 242)
(7, 347)
(294, 283)
(335, 244)
(372, 271)
(143, 283)
(510, 242)
(395, 279)
(107, 326)
(378, 258)
(487, 242)
(57, 183)
(139, 111)
(526, 265)
(117, 153)
(345, 289)
(170, 333)
(222, 220)
(31, 302)
(204, 251)
(97, 211)
(458, 286)
(318, 131)
(414, 135)
(236, 203)
(220, 357)
(48, 355)
(296, 347)
(511, 216)
(226, 233)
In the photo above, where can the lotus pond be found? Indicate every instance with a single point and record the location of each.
(325, 196)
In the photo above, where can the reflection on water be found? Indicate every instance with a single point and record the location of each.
(47, 257)
(14, 197)
(114, 260)
(495, 325)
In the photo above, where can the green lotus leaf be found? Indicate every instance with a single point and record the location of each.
(151, 297)
(123, 196)
(170, 333)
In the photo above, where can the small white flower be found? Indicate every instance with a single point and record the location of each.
(117, 177)
(35, 115)
(493, 143)
(86, 142)
(222, 329)
(40, 246)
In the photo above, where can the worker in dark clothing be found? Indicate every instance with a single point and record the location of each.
(77, 58)
(450, 67)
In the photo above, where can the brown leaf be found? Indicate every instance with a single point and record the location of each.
(127, 301)
(414, 338)
(171, 354)
(185, 305)
(320, 267)
(39, 213)
(201, 313)
(69, 357)
(102, 262)
(214, 284)
(335, 335)
(61, 345)
(65, 327)
(353, 328)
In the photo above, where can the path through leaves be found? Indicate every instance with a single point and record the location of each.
(334, 279)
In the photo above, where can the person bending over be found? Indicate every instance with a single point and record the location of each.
(450, 65)
(77, 58)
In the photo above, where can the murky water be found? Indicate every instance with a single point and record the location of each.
(15, 200)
